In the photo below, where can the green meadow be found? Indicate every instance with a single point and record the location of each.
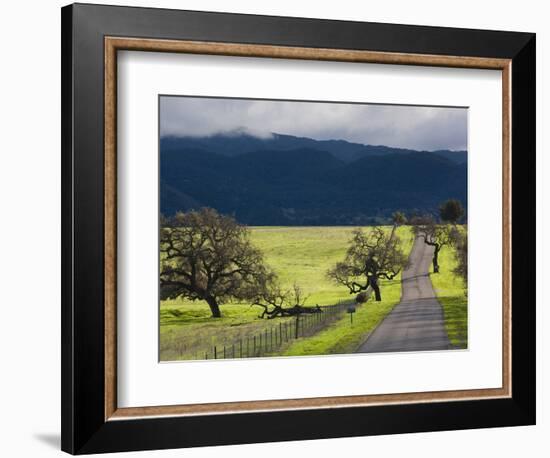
(297, 254)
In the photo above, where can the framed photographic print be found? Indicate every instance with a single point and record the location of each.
(281, 228)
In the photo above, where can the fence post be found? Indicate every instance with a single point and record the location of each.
(280, 333)
(215, 352)
(240, 348)
(297, 324)
(254, 352)
(224, 352)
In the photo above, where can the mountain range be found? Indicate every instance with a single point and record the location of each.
(287, 180)
(236, 143)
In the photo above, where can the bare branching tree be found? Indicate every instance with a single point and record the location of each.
(434, 234)
(370, 256)
(278, 303)
(208, 256)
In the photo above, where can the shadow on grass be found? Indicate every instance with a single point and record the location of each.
(177, 316)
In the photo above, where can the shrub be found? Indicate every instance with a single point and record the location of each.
(361, 298)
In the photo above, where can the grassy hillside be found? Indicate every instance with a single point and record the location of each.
(297, 254)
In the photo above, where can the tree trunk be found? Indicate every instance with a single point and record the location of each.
(373, 281)
(435, 260)
(393, 231)
(214, 307)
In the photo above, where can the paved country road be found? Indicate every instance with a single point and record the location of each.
(416, 323)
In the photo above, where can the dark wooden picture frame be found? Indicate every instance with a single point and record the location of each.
(91, 37)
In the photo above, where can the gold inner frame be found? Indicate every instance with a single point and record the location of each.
(114, 44)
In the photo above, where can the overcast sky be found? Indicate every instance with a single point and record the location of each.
(415, 127)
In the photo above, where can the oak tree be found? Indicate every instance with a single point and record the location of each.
(451, 211)
(277, 302)
(435, 235)
(370, 257)
(398, 218)
(208, 256)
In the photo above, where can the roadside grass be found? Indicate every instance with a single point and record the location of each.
(344, 337)
(297, 254)
(449, 289)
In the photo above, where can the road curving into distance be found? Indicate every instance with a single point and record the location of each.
(417, 322)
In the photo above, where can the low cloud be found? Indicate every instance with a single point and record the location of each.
(415, 127)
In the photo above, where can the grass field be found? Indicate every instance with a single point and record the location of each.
(449, 289)
(297, 254)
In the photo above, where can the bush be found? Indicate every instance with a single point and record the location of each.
(361, 298)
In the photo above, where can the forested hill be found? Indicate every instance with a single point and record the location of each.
(235, 144)
(305, 185)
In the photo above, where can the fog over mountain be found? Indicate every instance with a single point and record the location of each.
(399, 126)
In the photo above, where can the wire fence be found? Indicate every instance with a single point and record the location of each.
(272, 338)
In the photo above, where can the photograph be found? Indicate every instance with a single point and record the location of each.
(279, 226)
(307, 228)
